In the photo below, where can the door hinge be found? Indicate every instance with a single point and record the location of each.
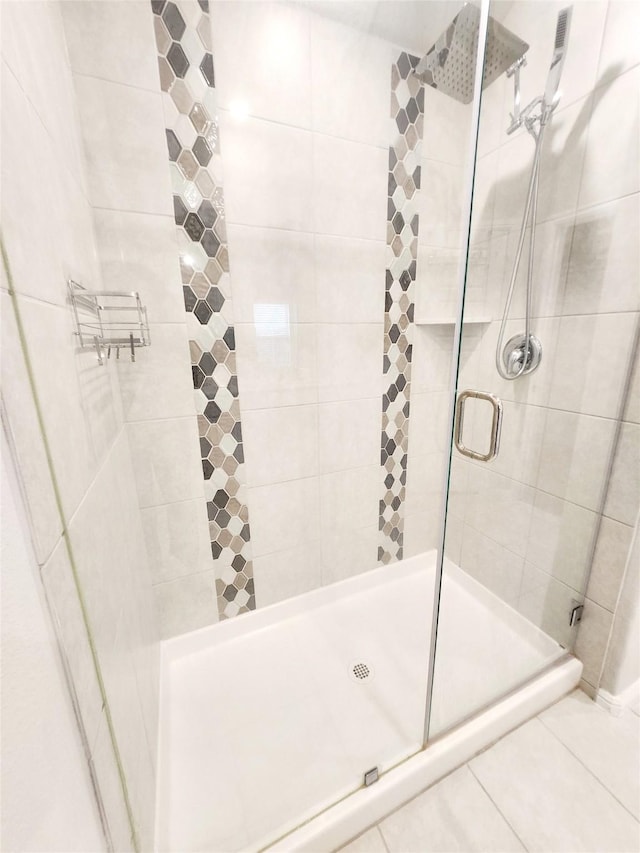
(371, 776)
(576, 614)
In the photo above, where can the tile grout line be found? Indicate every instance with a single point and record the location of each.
(384, 840)
(496, 806)
(585, 766)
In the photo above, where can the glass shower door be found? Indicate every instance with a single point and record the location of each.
(536, 423)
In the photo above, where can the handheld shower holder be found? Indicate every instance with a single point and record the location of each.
(524, 116)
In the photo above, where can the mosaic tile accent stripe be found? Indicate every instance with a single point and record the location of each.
(407, 119)
(185, 62)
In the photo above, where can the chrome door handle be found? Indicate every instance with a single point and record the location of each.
(496, 425)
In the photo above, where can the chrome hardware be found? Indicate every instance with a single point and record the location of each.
(496, 425)
(109, 319)
(449, 64)
(371, 776)
(518, 359)
(576, 613)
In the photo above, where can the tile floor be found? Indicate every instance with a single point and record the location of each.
(567, 780)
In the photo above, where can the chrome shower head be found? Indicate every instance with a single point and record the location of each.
(450, 65)
(551, 94)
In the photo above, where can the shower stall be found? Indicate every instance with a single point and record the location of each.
(323, 392)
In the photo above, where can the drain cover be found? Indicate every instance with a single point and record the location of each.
(360, 671)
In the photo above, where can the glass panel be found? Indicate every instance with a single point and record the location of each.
(521, 529)
(245, 478)
(343, 182)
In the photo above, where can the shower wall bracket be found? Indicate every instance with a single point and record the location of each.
(107, 320)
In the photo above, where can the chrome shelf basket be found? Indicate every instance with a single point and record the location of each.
(109, 320)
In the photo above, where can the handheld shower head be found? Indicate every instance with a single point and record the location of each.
(551, 94)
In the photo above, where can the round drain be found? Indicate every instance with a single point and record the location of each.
(360, 671)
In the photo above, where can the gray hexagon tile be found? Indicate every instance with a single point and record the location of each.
(407, 116)
(187, 81)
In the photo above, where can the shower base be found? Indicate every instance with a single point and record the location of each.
(270, 721)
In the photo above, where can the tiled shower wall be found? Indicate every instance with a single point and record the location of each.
(48, 236)
(524, 525)
(305, 207)
(304, 128)
(114, 60)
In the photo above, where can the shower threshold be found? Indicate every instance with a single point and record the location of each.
(270, 720)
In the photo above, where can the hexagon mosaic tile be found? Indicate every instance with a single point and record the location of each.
(407, 118)
(185, 62)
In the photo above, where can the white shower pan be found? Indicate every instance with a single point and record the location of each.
(270, 721)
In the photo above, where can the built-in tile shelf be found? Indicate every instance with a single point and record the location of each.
(450, 321)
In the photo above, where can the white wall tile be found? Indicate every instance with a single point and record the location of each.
(603, 267)
(351, 82)
(591, 642)
(574, 456)
(622, 663)
(277, 362)
(349, 434)
(285, 574)
(421, 532)
(347, 553)
(104, 761)
(561, 538)
(349, 188)
(267, 173)
(609, 562)
(431, 360)
(612, 160)
(33, 45)
(263, 60)
(425, 478)
(447, 127)
(125, 147)
(62, 598)
(349, 361)
(441, 195)
(492, 499)
(624, 486)
(186, 604)
(592, 355)
(112, 40)
(349, 499)
(428, 424)
(547, 603)
(280, 444)
(138, 251)
(177, 539)
(155, 447)
(82, 422)
(44, 767)
(24, 432)
(632, 406)
(284, 515)
(493, 566)
(349, 278)
(620, 49)
(497, 102)
(33, 175)
(270, 266)
(158, 383)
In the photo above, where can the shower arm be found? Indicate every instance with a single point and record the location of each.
(520, 117)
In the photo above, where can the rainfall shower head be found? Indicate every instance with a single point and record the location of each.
(563, 24)
(450, 65)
